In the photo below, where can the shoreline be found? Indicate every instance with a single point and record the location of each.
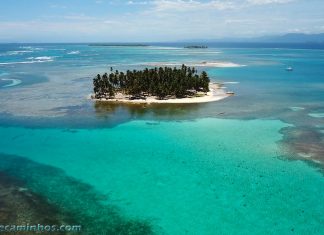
(216, 93)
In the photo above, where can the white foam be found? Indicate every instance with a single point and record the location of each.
(22, 62)
(316, 115)
(40, 59)
(25, 47)
(43, 58)
(73, 53)
(14, 82)
(31, 48)
(295, 108)
(230, 82)
(304, 155)
(17, 52)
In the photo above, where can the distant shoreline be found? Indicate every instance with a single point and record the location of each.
(117, 45)
(216, 93)
(196, 47)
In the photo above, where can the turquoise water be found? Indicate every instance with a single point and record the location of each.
(217, 168)
(199, 177)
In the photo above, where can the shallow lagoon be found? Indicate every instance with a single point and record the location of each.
(198, 177)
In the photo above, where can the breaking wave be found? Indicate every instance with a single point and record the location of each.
(73, 53)
(32, 60)
(14, 82)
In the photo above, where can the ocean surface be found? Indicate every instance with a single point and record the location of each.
(249, 164)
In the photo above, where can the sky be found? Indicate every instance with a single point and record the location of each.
(155, 20)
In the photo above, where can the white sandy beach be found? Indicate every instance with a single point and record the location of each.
(216, 93)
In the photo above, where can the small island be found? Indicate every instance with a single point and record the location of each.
(157, 85)
(117, 45)
(196, 47)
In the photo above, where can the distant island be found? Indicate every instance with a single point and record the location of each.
(156, 85)
(117, 45)
(196, 47)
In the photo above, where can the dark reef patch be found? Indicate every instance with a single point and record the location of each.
(305, 143)
(20, 206)
(72, 198)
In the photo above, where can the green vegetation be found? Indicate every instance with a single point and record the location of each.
(117, 45)
(159, 82)
(196, 47)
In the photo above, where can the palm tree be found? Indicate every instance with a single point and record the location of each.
(160, 82)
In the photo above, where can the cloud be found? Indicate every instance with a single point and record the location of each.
(265, 2)
(79, 17)
(182, 5)
(138, 3)
(58, 6)
(194, 5)
(167, 20)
